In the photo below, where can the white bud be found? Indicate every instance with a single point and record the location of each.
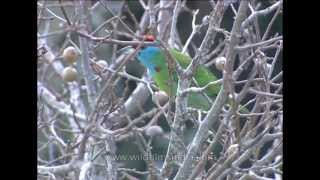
(61, 25)
(205, 19)
(161, 97)
(154, 131)
(233, 148)
(102, 63)
(220, 62)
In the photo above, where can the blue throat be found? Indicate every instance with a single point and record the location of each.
(147, 58)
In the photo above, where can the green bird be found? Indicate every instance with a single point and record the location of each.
(154, 59)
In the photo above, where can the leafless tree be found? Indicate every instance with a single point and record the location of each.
(108, 119)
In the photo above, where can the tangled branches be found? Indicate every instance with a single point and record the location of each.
(109, 120)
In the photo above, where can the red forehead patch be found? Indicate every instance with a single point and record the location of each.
(149, 37)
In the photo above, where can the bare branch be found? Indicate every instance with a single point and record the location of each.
(261, 13)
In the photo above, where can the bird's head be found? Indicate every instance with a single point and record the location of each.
(146, 55)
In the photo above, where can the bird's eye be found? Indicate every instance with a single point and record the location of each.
(157, 69)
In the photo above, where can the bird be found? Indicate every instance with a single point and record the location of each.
(154, 60)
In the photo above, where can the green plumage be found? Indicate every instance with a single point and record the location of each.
(155, 60)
